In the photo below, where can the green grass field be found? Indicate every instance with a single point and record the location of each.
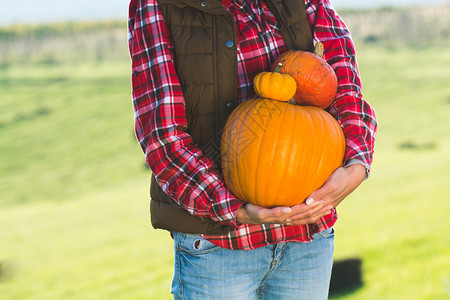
(74, 218)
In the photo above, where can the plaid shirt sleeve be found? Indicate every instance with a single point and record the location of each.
(188, 176)
(354, 114)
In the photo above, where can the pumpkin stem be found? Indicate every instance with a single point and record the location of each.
(318, 49)
(277, 69)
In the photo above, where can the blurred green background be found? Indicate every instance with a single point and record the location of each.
(74, 202)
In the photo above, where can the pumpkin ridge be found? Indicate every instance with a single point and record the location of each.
(241, 168)
(257, 104)
(303, 158)
(259, 176)
(313, 151)
(298, 162)
(322, 144)
(292, 159)
(329, 167)
(279, 182)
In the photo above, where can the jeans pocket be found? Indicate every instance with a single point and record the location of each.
(327, 233)
(193, 244)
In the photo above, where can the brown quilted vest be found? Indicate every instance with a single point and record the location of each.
(204, 36)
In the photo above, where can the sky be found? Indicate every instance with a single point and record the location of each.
(48, 11)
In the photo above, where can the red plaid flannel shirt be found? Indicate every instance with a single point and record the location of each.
(187, 175)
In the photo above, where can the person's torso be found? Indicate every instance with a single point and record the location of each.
(219, 47)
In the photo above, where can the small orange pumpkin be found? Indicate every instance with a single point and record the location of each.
(276, 154)
(316, 79)
(274, 85)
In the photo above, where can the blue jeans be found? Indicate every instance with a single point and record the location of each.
(280, 271)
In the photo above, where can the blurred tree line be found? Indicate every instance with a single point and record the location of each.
(63, 42)
(421, 26)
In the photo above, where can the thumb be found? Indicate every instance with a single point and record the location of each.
(316, 196)
(280, 211)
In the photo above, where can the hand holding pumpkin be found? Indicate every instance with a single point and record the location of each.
(297, 214)
(339, 185)
(275, 154)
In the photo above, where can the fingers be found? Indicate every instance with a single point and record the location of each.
(320, 203)
(295, 215)
(309, 214)
(276, 215)
(254, 214)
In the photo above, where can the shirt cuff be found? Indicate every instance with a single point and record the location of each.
(234, 208)
(357, 161)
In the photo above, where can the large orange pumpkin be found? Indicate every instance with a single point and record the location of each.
(276, 154)
(316, 79)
